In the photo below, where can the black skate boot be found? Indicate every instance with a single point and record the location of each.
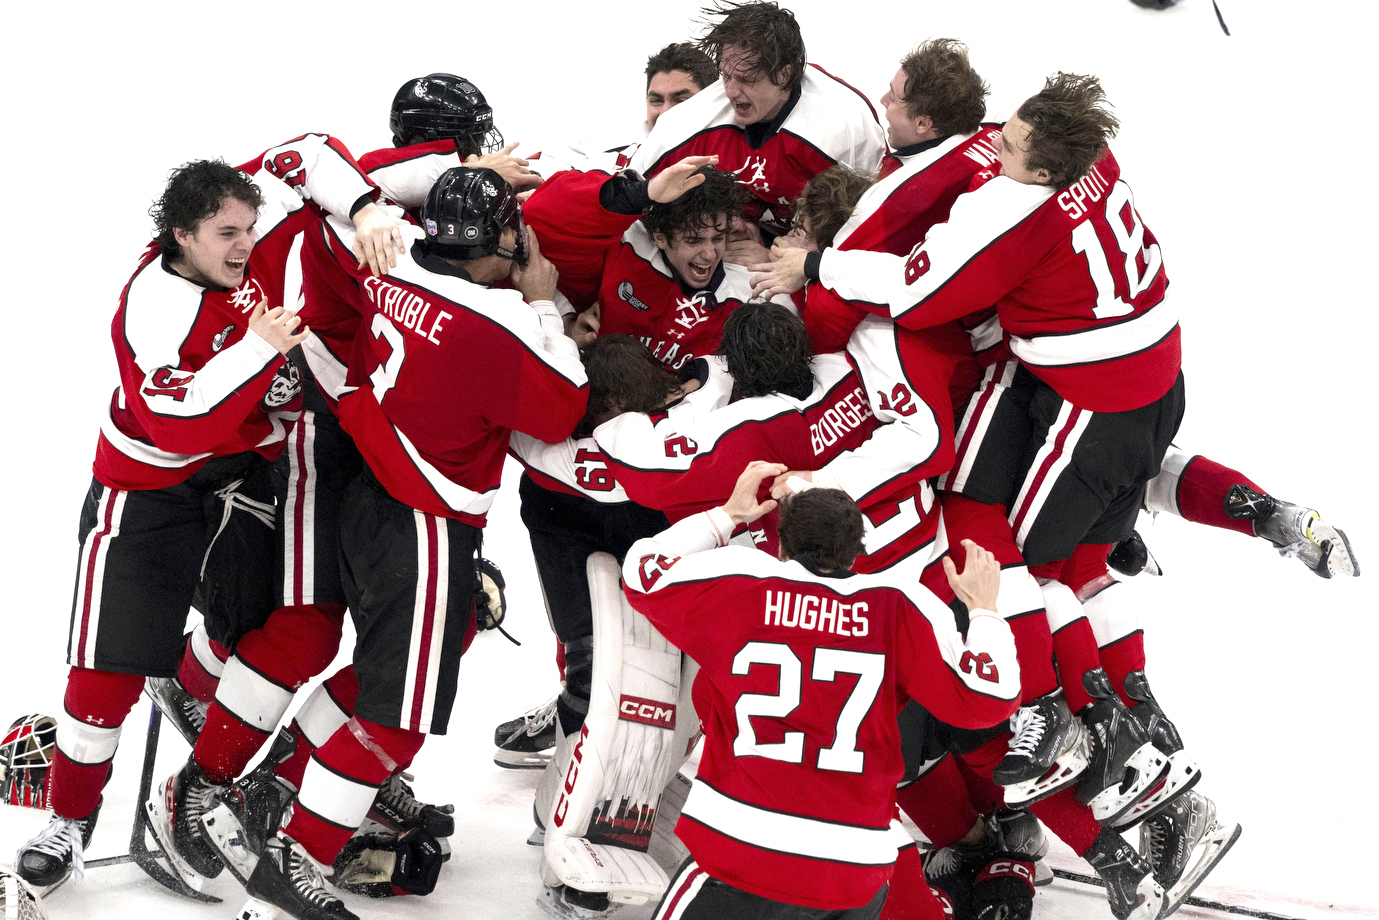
(48, 859)
(1131, 557)
(397, 808)
(1124, 764)
(184, 711)
(174, 816)
(1130, 884)
(1040, 731)
(1018, 831)
(1183, 773)
(1294, 531)
(526, 743)
(286, 878)
(250, 811)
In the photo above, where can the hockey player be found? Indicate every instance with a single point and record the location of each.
(433, 446)
(205, 401)
(790, 808)
(673, 74)
(772, 119)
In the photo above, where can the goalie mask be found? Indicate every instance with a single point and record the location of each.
(466, 213)
(25, 755)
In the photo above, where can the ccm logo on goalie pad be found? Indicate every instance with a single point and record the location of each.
(571, 778)
(653, 567)
(647, 712)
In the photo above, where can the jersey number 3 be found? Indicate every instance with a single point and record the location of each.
(842, 756)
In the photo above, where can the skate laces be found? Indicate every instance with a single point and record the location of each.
(1156, 840)
(1028, 726)
(943, 862)
(60, 837)
(538, 720)
(305, 877)
(400, 795)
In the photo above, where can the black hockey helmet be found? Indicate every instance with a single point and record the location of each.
(442, 105)
(466, 212)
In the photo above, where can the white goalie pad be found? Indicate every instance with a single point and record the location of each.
(637, 734)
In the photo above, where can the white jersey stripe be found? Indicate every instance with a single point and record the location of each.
(683, 889)
(418, 618)
(975, 422)
(793, 834)
(1049, 463)
(91, 577)
(440, 578)
(1102, 343)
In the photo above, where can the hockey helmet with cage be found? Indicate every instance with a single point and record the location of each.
(466, 212)
(439, 106)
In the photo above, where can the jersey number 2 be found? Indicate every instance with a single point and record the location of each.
(842, 756)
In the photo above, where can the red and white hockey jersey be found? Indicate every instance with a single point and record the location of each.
(195, 383)
(828, 122)
(1075, 275)
(639, 294)
(574, 466)
(442, 371)
(795, 792)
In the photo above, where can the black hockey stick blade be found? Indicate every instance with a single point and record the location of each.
(139, 852)
(1193, 901)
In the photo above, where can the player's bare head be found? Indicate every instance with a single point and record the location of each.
(196, 191)
(768, 351)
(940, 83)
(1066, 127)
(674, 74)
(828, 201)
(768, 37)
(623, 377)
(708, 206)
(821, 528)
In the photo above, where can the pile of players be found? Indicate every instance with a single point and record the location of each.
(912, 417)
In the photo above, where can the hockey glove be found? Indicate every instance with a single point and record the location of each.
(490, 604)
(1004, 889)
(384, 865)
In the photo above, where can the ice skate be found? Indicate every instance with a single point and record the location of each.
(174, 816)
(56, 853)
(1124, 765)
(526, 743)
(1130, 884)
(1040, 731)
(1183, 772)
(1216, 839)
(250, 812)
(1019, 831)
(1131, 557)
(285, 880)
(184, 711)
(568, 903)
(1067, 768)
(397, 808)
(1295, 531)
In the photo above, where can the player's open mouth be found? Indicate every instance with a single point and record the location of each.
(700, 271)
(235, 265)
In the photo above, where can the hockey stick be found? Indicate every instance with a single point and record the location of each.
(1192, 900)
(139, 853)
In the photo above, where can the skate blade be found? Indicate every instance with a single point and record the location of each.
(1182, 774)
(227, 837)
(550, 901)
(1150, 768)
(1215, 844)
(537, 837)
(157, 821)
(254, 909)
(516, 760)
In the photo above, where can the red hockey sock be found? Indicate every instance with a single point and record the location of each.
(1075, 648)
(910, 897)
(96, 704)
(201, 665)
(341, 782)
(937, 804)
(1120, 658)
(343, 687)
(1034, 648)
(1202, 489)
(296, 643)
(1085, 565)
(982, 792)
(1072, 821)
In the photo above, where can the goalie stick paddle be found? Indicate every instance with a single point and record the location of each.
(1191, 900)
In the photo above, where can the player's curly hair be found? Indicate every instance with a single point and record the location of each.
(1070, 127)
(769, 35)
(623, 377)
(195, 191)
(686, 57)
(720, 194)
(768, 351)
(821, 528)
(940, 83)
(828, 201)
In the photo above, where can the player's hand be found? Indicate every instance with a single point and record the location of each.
(586, 325)
(378, 239)
(537, 281)
(513, 169)
(795, 239)
(783, 276)
(980, 580)
(673, 181)
(746, 253)
(276, 327)
(790, 482)
(743, 506)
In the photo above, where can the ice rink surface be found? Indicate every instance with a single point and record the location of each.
(1236, 148)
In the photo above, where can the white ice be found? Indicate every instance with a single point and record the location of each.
(1238, 151)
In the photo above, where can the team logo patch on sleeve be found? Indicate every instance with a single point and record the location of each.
(652, 568)
(218, 342)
